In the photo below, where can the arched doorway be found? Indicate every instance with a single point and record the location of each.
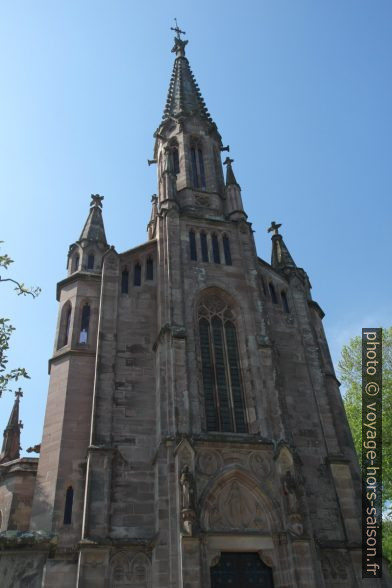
(241, 570)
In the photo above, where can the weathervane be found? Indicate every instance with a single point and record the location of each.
(274, 227)
(177, 30)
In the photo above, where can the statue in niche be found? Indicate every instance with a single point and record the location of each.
(188, 508)
(290, 491)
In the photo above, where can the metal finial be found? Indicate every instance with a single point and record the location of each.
(177, 30)
(274, 227)
(19, 393)
(96, 200)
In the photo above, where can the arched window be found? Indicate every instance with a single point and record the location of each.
(198, 171)
(90, 261)
(285, 303)
(204, 246)
(175, 159)
(85, 323)
(192, 245)
(149, 269)
(215, 249)
(124, 281)
(226, 250)
(68, 506)
(273, 293)
(137, 275)
(222, 382)
(65, 325)
(75, 262)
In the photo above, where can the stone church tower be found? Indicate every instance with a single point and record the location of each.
(194, 435)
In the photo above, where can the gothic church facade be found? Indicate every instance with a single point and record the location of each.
(194, 433)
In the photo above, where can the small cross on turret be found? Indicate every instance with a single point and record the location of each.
(274, 227)
(177, 30)
(19, 393)
(228, 161)
(96, 201)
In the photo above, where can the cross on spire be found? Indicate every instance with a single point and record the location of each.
(177, 30)
(274, 227)
(96, 200)
(19, 393)
(228, 161)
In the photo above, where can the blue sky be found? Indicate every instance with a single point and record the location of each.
(300, 90)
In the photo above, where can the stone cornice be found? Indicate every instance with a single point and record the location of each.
(75, 277)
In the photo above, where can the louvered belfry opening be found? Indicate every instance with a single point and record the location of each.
(221, 371)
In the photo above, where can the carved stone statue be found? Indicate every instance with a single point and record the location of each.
(188, 501)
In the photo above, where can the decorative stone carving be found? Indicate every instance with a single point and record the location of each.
(188, 509)
(208, 462)
(334, 565)
(295, 527)
(259, 464)
(127, 571)
(236, 508)
(290, 491)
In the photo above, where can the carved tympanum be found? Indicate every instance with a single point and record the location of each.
(236, 508)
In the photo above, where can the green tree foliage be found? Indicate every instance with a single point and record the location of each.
(350, 372)
(6, 329)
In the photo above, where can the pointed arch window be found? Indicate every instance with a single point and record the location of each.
(125, 281)
(215, 248)
(197, 164)
(274, 298)
(149, 269)
(204, 246)
(175, 159)
(226, 250)
(75, 262)
(68, 506)
(90, 261)
(65, 325)
(85, 324)
(221, 373)
(285, 303)
(137, 275)
(192, 245)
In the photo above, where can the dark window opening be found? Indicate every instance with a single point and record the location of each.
(226, 249)
(215, 249)
(263, 285)
(175, 160)
(285, 302)
(75, 265)
(149, 269)
(221, 375)
(273, 293)
(125, 281)
(192, 246)
(137, 275)
(68, 506)
(195, 177)
(90, 262)
(204, 246)
(67, 325)
(201, 168)
(85, 322)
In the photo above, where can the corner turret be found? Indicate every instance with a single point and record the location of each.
(11, 436)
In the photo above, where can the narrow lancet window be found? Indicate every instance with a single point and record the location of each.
(85, 323)
(221, 372)
(226, 250)
(204, 246)
(75, 263)
(125, 281)
(68, 506)
(175, 160)
(215, 249)
(137, 275)
(149, 269)
(285, 303)
(90, 262)
(67, 325)
(201, 168)
(195, 176)
(273, 293)
(192, 246)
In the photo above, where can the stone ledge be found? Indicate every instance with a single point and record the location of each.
(27, 539)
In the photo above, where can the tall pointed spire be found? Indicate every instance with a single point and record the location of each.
(184, 97)
(11, 436)
(93, 229)
(280, 256)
